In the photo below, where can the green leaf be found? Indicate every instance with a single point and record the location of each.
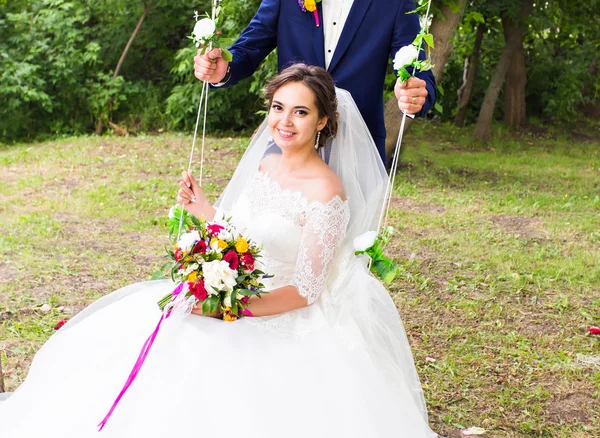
(439, 107)
(385, 270)
(246, 292)
(205, 307)
(403, 74)
(234, 303)
(214, 302)
(419, 9)
(195, 221)
(476, 16)
(429, 40)
(227, 56)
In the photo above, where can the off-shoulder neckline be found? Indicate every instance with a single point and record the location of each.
(296, 193)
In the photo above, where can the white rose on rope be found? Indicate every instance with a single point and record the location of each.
(405, 56)
(204, 28)
(364, 241)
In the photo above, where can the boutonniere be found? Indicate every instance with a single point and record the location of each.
(311, 6)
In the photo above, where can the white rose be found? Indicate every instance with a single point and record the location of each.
(406, 55)
(218, 276)
(204, 28)
(225, 235)
(364, 241)
(188, 240)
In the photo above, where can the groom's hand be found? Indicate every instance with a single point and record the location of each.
(210, 67)
(411, 95)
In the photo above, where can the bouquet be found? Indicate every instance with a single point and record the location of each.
(214, 264)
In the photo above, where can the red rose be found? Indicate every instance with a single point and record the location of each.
(60, 323)
(198, 290)
(245, 300)
(200, 247)
(232, 258)
(594, 331)
(215, 229)
(247, 261)
(178, 254)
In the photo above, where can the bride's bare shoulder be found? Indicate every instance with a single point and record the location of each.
(268, 162)
(324, 187)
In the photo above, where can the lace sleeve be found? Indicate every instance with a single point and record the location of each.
(322, 233)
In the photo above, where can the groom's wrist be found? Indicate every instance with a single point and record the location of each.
(225, 78)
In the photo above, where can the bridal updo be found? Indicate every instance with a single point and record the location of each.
(320, 83)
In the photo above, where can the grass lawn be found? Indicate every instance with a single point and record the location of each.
(499, 244)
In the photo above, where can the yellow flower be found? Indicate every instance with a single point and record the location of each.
(310, 5)
(217, 244)
(193, 277)
(241, 245)
(227, 315)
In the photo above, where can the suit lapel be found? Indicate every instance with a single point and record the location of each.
(319, 39)
(355, 17)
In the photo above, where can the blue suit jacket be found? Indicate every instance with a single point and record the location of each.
(374, 31)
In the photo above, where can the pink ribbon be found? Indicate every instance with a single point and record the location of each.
(140, 361)
(317, 21)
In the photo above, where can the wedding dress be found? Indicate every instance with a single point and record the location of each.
(340, 367)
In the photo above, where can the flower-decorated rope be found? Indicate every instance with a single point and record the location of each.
(206, 37)
(407, 56)
(373, 243)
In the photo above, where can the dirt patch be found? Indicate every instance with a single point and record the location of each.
(8, 273)
(571, 407)
(523, 226)
(408, 204)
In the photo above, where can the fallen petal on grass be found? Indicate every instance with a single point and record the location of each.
(46, 308)
(473, 431)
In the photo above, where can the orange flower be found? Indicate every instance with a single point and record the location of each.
(310, 5)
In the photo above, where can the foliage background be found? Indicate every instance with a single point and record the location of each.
(57, 58)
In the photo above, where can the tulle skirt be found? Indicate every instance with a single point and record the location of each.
(204, 378)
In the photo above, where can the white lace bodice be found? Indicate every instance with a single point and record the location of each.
(299, 237)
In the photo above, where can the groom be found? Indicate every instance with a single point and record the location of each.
(353, 42)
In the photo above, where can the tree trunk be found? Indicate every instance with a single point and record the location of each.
(443, 29)
(486, 114)
(591, 109)
(470, 73)
(147, 7)
(515, 114)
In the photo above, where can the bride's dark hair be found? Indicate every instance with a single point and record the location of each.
(320, 83)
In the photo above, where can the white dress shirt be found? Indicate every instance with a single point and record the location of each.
(335, 14)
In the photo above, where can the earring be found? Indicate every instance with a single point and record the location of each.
(318, 138)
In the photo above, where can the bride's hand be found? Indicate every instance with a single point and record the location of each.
(197, 310)
(190, 195)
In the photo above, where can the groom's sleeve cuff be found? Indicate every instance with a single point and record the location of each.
(225, 79)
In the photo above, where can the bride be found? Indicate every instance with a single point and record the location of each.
(324, 354)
